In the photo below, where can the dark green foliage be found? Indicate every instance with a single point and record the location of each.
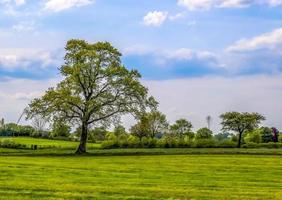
(203, 133)
(254, 136)
(119, 130)
(240, 123)
(10, 144)
(223, 136)
(181, 127)
(96, 89)
(97, 134)
(60, 129)
(12, 129)
(270, 145)
(266, 134)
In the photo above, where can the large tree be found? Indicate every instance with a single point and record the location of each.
(240, 122)
(96, 89)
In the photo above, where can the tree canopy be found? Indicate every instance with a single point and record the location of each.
(240, 122)
(181, 127)
(96, 88)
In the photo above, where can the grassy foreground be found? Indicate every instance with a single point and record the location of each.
(141, 177)
(56, 173)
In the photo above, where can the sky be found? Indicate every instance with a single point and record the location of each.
(197, 57)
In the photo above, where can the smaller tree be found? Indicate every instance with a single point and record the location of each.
(119, 130)
(275, 134)
(204, 133)
(140, 129)
(266, 134)
(181, 127)
(223, 136)
(240, 122)
(157, 123)
(60, 129)
(253, 136)
(39, 125)
(97, 134)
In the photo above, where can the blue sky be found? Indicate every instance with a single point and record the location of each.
(197, 41)
(204, 26)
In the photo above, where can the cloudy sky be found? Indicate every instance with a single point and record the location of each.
(198, 57)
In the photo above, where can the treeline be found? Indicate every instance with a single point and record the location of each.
(153, 130)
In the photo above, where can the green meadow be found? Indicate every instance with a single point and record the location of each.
(57, 173)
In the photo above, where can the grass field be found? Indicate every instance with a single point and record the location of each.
(140, 174)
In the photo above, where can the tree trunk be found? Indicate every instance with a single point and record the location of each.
(239, 140)
(83, 139)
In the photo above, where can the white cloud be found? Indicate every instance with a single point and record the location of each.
(155, 18)
(196, 4)
(60, 5)
(15, 94)
(11, 59)
(25, 26)
(20, 2)
(208, 4)
(15, 2)
(272, 40)
(275, 2)
(235, 3)
(177, 16)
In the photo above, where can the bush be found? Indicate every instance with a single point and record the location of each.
(148, 142)
(7, 143)
(203, 133)
(204, 143)
(133, 142)
(253, 136)
(226, 144)
(266, 134)
(109, 144)
(270, 145)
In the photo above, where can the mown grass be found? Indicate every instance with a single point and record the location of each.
(141, 177)
(139, 173)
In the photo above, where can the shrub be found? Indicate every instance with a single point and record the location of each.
(266, 134)
(253, 136)
(109, 144)
(270, 145)
(203, 133)
(226, 144)
(133, 142)
(7, 143)
(204, 143)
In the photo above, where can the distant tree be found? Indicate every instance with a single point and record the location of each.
(181, 127)
(275, 134)
(157, 123)
(60, 129)
(97, 134)
(149, 125)
(11, 129)
(223, 136)
(26, 130)
(253, 136)
(96, 89)
(204, 133)
(2, 123)
(140, 129)
(39, 124)
(266, 134)
(119, 130)
(240, 122)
